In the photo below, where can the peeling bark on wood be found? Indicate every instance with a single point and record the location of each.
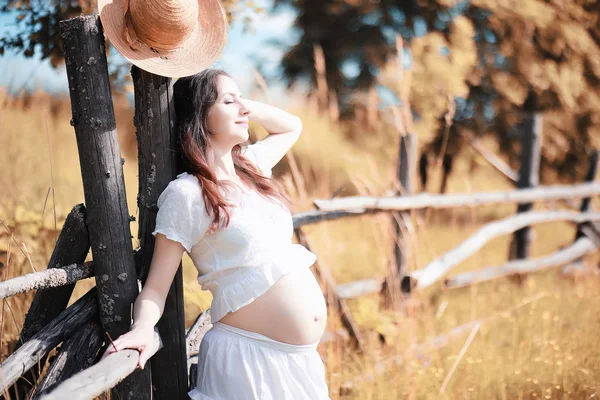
(49, 278)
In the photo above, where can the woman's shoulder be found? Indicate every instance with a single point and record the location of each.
(186, 183)
(183, 186)
(185, 179)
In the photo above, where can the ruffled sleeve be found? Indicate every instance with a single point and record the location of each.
(181, 213)
(255, 153)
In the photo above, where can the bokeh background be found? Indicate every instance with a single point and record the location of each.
(360, 74)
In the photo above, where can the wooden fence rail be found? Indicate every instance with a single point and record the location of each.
(581, 247)
(72, 273)
(432, 272)
(360, 204)
(495, 161)
(436, 269)
(359, 288)
(102, 376)
(45, 279)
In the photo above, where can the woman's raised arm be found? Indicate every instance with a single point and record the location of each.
(284, 130)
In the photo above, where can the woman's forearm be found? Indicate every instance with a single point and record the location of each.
(147, 309)
(273, 119)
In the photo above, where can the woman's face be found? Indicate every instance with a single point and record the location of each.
(227, 119)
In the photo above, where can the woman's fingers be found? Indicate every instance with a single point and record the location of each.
(143, 357)
(127, 341)
(123, 342)
(140, 340)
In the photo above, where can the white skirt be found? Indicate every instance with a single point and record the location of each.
(235, 364)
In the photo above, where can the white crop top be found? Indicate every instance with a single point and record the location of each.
(240, 262)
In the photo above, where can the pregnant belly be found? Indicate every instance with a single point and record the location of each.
(293, 310)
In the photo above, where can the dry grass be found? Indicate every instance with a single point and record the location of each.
(544, 349)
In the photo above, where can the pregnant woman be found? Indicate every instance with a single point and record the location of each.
(268, 312)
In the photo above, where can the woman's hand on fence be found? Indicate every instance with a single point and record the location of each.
(140, 339)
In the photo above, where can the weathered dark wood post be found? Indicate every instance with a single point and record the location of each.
(407, 156)
(157, 160)
(396, 282)
(529, 176)
(61, 327)
(586, 203)
(77, 353)
(72, 246)
(589, 229)
(103, 184)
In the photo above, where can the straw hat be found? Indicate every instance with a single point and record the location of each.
(171, 38)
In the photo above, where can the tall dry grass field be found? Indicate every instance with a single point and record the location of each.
(535, 338)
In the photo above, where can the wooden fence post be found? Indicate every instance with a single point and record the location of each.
(103, 184)
(407, 157)
(586, 229)
(529, 173)
(157, 144)
(71, 247)
(586, 203)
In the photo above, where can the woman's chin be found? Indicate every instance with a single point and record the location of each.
(242, 139)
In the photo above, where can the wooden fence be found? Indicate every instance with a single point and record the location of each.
(103, 225)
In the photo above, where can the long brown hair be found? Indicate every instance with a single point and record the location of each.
(193, 97)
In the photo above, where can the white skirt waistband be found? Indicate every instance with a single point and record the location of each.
(263, 340)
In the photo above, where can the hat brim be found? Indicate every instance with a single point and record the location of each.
(198, 52)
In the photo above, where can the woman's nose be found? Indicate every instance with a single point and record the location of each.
(244, 110)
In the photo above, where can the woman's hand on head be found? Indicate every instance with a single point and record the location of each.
(140, 339)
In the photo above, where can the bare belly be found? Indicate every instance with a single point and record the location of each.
(293, 310)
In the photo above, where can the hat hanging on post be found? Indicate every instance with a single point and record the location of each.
(172, 38)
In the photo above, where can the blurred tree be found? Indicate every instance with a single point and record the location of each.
(496, 60)
(544, 56)
(352, 34)
(36, 24)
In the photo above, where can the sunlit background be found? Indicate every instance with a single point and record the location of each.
(361, 74)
